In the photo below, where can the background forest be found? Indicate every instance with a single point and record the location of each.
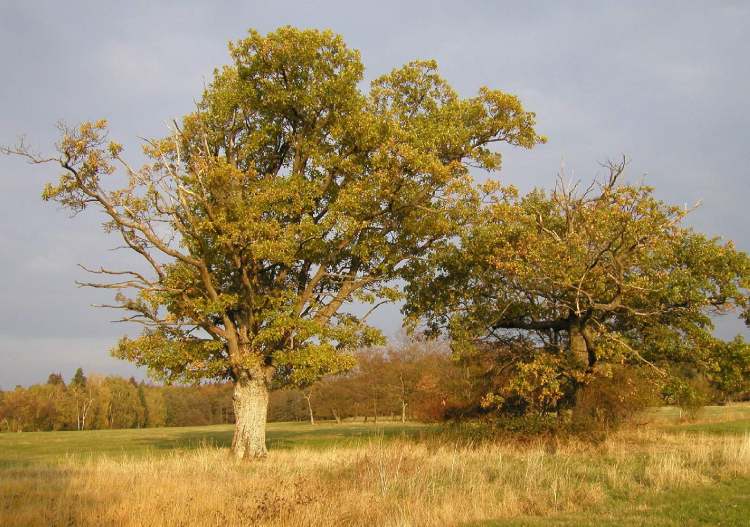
(417, 381)
(414, 380)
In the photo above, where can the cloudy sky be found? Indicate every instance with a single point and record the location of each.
(665, 83)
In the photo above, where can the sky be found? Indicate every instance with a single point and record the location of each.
(663, 83)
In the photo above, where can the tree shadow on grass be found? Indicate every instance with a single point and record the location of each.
(286, 436)
(187, 440)
(330, 435)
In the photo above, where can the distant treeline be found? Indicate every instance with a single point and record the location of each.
(413, 382)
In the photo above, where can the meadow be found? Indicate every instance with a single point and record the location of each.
(657, 471)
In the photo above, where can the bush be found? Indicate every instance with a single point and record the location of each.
(606, 403)
(690, 395)
(518, 429)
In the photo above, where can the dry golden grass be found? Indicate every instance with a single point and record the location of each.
(398, 483)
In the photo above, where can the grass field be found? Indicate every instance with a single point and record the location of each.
(29, 448)
(659, 472)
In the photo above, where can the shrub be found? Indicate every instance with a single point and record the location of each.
(690, 395)
(606, 403)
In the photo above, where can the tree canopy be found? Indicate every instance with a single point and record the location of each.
(565, 286)
(288, 193)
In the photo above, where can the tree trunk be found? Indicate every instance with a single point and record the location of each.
(578, 345)
(307, 397)
(581, 346)
(86, 407)
(250, 400)
(403, 411)
(336, 416)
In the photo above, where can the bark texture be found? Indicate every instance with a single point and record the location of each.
(578, 345)
(250, 409)
(581, 346)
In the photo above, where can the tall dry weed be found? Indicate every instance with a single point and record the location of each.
(397, 483)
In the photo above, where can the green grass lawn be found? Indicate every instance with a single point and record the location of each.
(49, 447)
(719, 420)
(673, 415)
(724, 504)
(33, 447)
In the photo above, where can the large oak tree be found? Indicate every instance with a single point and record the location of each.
(288, 193)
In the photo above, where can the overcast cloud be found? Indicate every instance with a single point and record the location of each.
(665, 83)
